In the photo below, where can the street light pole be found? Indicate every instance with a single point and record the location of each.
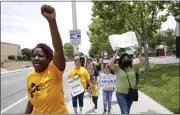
(74, 20)
(177, 40)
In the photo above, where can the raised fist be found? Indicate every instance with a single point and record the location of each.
(48, 12)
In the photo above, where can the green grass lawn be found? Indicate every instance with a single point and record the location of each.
(162, 85)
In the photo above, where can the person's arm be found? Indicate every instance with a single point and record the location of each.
(50, 14)
(111, 63)
(29, 108)
(90, 86)
(86, 74)
(70, 74)
(141, 60)
(85, 63)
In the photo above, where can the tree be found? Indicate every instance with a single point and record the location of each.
(27, 53)
(98, 38)
(167, 38)
(174, 9)
(69, 50)
(19, 58)
(24, 57)
(118, 17)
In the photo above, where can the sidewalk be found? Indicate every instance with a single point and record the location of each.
(18, 70)
(145, 105)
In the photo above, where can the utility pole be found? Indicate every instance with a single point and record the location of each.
(177, 40)
(74, 19)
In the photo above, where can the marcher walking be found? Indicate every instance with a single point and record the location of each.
(45, 82)
(107, 93)
(125, 78)
(84, 78)
(90, 68)
(95, 93)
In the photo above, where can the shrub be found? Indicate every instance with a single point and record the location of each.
(12, 57)
(19, 58)
(173, 51)
(24, 57)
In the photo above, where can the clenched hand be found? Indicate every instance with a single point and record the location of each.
(48, 12)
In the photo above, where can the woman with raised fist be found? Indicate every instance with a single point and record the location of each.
(45, 82)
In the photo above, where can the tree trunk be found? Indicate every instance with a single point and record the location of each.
(103, 54)
(146, 54)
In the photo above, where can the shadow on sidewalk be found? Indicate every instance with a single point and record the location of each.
(150, 112)
(114, 102)
(90, 111)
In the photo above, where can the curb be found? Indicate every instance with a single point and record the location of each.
(2, 73)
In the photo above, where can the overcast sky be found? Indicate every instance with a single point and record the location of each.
(22, 23)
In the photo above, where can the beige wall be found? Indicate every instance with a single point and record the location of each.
(9, 49)
(16, 65)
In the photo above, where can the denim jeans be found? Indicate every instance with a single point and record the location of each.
(124, 102)
(80, 98)
(95, 100)
(107, 99)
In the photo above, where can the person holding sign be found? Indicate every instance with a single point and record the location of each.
(126, 91)
(45, 82)
(84, 78)
(107, 93)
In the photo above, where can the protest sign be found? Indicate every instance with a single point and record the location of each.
(76, 86)
(106, 61)
(125, 40)
(106, 80)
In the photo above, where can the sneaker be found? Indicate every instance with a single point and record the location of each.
(104, 112)
(109, 112)
(95, 110)
(80, 112)
(75, 112)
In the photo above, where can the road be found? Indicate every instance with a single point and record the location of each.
(14, 94)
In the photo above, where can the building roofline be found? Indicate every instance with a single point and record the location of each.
(10, 43)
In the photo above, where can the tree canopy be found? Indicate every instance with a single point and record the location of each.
(112, 17)
(69, 50)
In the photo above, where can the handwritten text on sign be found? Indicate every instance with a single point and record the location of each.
(76, 86)
(106, 80)
(125, 40)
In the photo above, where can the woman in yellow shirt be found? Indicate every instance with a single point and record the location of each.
(84, 77)
(45, 82)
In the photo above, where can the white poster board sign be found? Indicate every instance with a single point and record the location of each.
(106, 61)
(125, 40)
(76, 86)
(105, 80)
